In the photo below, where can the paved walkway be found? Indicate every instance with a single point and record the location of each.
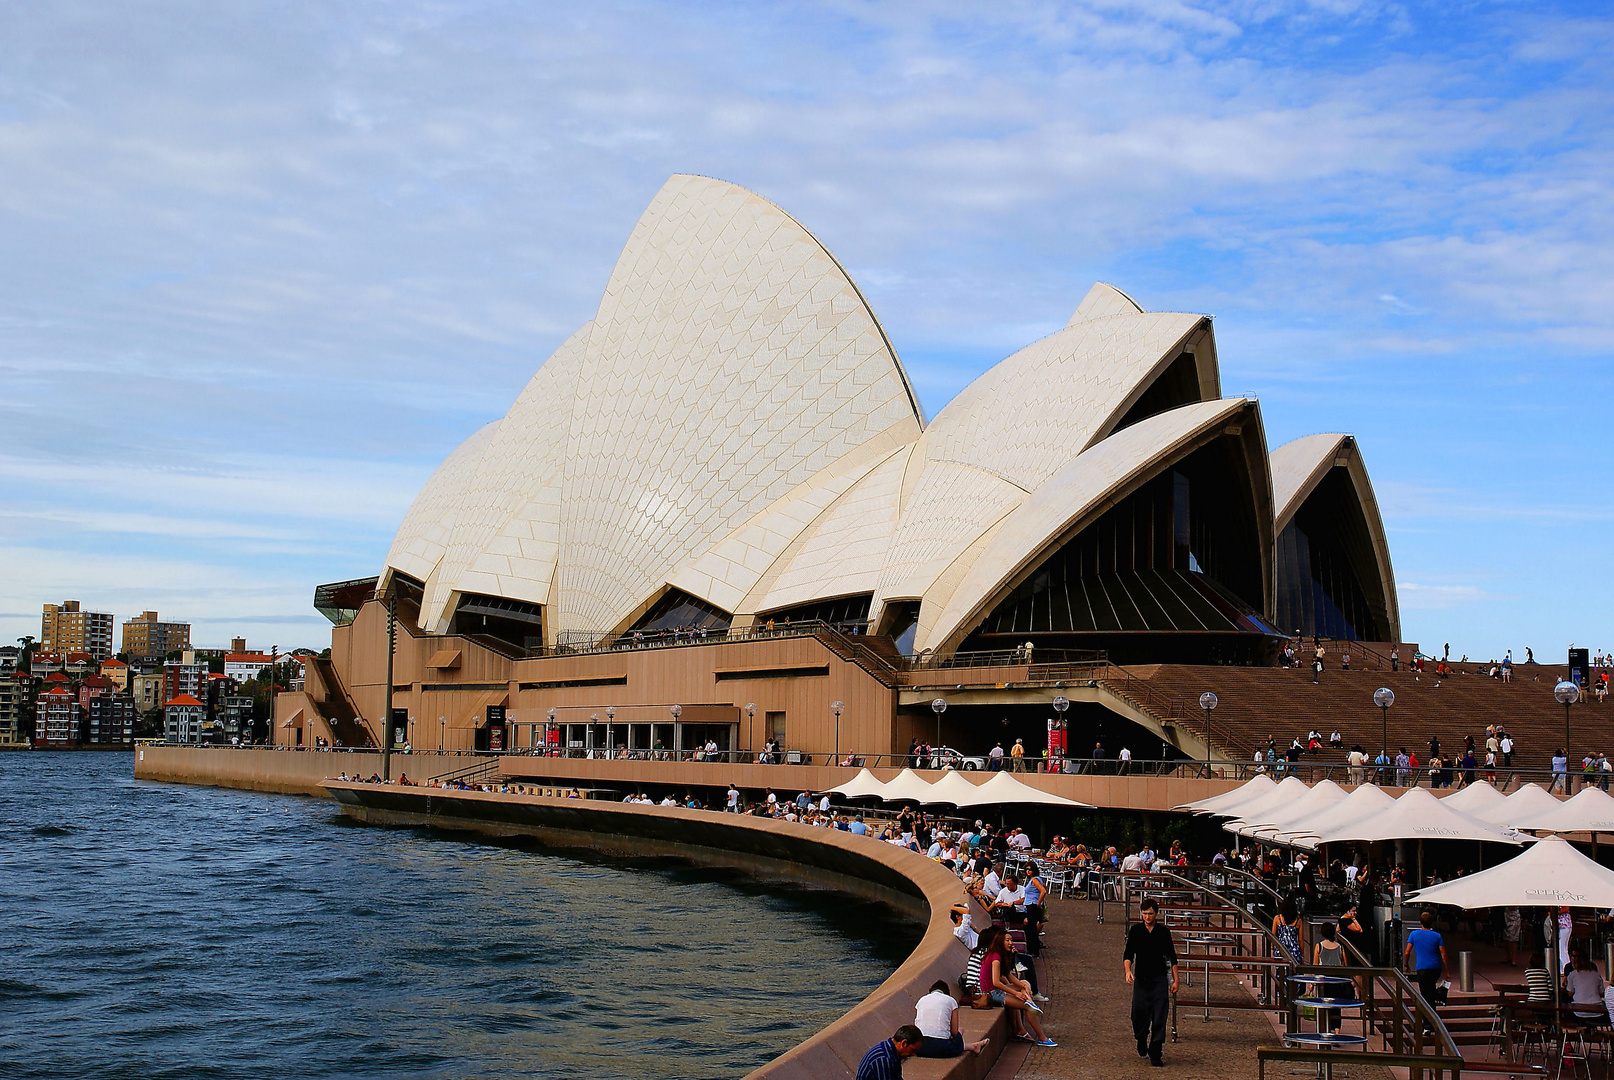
(1090, 1015)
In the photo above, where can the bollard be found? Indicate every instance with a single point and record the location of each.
(1465, 972)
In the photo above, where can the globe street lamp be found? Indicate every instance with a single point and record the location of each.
(610, 740)
(678, 742)
(1208, 702)
(1567, 694)
(593, 722)
(938, 706)
(547, 728)
(442, 723)
(837, 707)
(750, 719)
(1384, 697)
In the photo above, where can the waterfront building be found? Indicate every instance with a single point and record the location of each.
(57, 719)
(45, 663)
(184, 720)
(149, 636)
(182, 677)
(717, 512)
(10, 656)
(110, 720)
(66, 628)
(234, 716)
(14, 690)
(93, 687)
(78, 665)
(117, 672)
(147, 691)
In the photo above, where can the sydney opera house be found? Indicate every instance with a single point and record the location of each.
(717, 511)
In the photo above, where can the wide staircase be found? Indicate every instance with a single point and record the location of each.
(1255, 704)
(325, 691)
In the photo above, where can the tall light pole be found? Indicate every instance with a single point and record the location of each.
(610, 739)
(678, 742)
(938, 706)
(547, 728)
(750, 720)
(1567, 694)
(837, 707)
(442, 724)
(593, 722)
(1384, 697)
(1207, 701)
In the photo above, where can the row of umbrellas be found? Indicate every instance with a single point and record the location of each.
(951, 790)
(1548, 873)
(1293, 813)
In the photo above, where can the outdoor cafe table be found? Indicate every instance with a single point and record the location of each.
(1316, 986)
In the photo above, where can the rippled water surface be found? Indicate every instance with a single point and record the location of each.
(159, 930)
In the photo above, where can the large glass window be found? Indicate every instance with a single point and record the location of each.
(1328, 569)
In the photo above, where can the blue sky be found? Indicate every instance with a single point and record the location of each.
(267, 264)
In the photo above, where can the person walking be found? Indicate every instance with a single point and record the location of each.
(1560, 772)
(1150, 964)
(1017, 756)
(1425, 956)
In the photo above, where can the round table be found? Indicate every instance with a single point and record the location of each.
(1323, 1040)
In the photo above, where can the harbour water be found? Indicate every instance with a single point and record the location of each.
(157, 930)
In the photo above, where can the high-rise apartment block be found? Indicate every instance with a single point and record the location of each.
(147, 636)
(184, 720)
(112, 719)
(56, 719)
(67, 628)
(13, 696)
(182, 678)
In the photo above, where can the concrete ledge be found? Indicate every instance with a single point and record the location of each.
(767, 848)
(290, 772)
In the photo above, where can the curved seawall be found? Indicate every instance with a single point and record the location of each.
(759, 846)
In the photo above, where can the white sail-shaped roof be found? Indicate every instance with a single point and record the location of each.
(1227, 803)
(734, 424)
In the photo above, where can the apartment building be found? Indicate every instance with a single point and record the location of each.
(184, 720)
(56, 719)
(68, 628)
(150, 636)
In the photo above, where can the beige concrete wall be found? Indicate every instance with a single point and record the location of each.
(686, 675)
(291, 772)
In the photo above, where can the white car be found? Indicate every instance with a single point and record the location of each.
(957, 759)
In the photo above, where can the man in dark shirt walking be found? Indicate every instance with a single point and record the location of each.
(884, 1060)
(1150, 962)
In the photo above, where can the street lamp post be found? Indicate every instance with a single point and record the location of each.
(1384, 697)
(1207, 701)
(442, 724)
(593, 722)
(1567, 694)
(837, 707)
(938, 706)
(750, 721)
(610, 738)
(547, 728)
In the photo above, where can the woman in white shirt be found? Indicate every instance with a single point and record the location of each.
(936, 1017)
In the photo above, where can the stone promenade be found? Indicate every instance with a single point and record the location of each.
(1090, 1015)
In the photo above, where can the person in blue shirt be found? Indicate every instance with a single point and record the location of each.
(884, 1059)
(1425, 955)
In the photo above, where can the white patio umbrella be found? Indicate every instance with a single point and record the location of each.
(1292, 789)
(907, 786)
(1550, 873)
(1003, 789)
(1529, 801)
(1229, 801)
(953, 788)
(1591, 810)
(1322, 795)
(1419, 815)
(1476, 799)
(1364, 802)
(863, 784)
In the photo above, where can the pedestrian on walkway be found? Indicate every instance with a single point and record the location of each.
(1425, 956)
(884, 1059)
(1150, 963)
